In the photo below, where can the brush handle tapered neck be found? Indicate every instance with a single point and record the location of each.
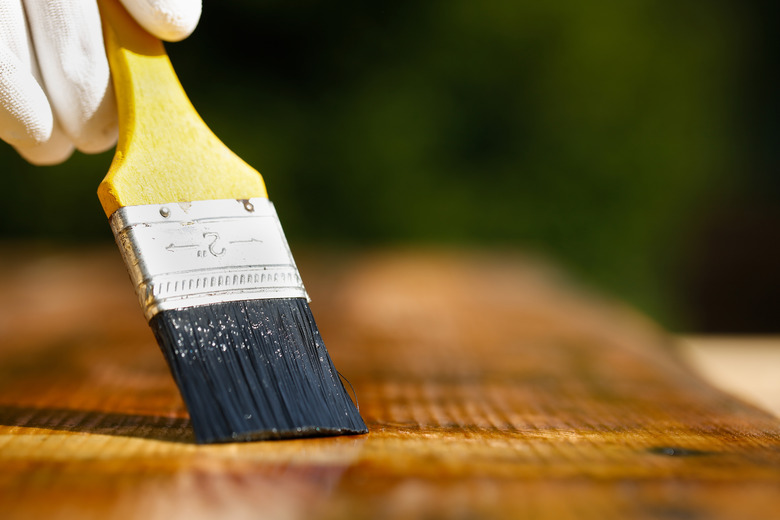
(165, 152)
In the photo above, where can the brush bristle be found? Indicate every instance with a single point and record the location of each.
(255, 369)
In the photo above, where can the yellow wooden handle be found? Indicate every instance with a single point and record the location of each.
(165, 153)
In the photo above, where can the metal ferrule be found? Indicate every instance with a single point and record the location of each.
(198, 253)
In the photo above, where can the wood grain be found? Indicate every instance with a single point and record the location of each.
(492, 386)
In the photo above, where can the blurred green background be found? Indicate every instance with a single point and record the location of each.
(632, 142)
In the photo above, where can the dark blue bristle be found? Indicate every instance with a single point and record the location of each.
(255, 369)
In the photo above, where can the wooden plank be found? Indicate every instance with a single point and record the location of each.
(744, 365)
(492, 387)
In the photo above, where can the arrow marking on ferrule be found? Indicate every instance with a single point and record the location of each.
(172, 247)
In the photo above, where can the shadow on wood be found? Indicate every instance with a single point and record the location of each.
(169, 429)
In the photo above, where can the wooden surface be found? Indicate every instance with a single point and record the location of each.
(745, 366)
(492, 388)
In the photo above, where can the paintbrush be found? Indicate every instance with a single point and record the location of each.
(210, 263)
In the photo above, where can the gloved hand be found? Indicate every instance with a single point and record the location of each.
(55, 85)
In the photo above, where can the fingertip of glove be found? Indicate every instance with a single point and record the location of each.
(169, 20)
(90, 123)
(98, 143)
(36, 158)
(55, 151)
(59, 147)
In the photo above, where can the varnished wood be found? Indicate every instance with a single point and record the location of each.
(165, 153)
(492, 387)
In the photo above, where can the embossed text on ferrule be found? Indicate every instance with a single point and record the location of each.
(197, 253)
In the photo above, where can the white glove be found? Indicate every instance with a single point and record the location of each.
(55, 85)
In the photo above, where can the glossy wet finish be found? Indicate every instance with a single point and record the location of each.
(491, 388)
